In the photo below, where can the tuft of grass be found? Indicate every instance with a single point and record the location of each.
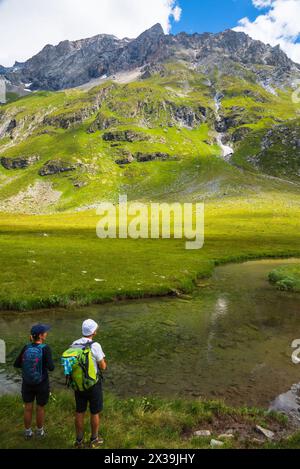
(286, 278)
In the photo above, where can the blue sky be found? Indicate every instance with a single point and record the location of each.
(212, 15)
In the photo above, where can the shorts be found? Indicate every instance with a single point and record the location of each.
(39, 392)
(93, 397)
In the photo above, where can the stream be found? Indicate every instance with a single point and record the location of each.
(231, 340)
(227, 151)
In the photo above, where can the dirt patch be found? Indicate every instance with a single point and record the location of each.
(35, 199)
(243, 428)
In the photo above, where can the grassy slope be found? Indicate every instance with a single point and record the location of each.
(148, 423)
(197, 172)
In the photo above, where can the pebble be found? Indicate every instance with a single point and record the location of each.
(202, 433)
(226, 436)
(216, 444)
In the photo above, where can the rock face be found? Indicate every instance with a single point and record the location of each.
(186, 116)
(124, 136)
(102, 122)
(71, 64)
(240, 133)
(55, 167)
(21, 162)
(67, 120)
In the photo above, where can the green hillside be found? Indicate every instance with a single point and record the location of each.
(153, 139)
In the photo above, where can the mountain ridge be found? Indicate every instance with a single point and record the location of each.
(74, 63)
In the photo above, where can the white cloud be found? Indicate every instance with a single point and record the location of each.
(28, 25)
(279, 25)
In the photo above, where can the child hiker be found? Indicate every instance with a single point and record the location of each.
(83, 364)
(35, 360)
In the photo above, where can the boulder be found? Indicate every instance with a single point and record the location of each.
(124, 136)
(125, 158)
(145, 157)
(20, 162)
(56, 167)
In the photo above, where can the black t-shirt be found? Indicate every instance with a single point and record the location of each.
(47, 361)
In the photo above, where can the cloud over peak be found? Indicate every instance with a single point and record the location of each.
(278, 25)
(28, 25)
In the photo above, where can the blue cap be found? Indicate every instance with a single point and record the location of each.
(38, 329)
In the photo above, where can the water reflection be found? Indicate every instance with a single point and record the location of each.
(220, 310)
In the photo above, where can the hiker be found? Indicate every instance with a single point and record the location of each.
(35, 360)
(83, 365)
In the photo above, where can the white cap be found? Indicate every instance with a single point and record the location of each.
(89, 327)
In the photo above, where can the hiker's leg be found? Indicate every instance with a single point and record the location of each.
(96, 407)
(95, 423)
(79, 425)
(40, 416)
(28, 410)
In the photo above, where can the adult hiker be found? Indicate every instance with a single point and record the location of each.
(83, 365)
(35, 360)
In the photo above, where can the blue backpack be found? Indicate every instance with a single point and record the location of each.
(32, 364)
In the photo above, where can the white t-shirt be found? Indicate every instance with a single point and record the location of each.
(96, 349)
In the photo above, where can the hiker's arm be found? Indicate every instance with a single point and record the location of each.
(18, 361)
(48, 359)
(102, 365)
(99, 356)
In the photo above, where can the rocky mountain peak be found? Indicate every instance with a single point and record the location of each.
(156, 30)
(73, 63)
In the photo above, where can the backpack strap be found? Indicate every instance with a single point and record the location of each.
(84, 346)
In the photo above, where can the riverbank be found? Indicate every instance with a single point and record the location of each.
(57, 260)
(151, 423)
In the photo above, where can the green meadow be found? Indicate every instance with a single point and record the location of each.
(57, 260)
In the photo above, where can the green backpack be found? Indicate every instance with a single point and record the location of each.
(79, 367)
